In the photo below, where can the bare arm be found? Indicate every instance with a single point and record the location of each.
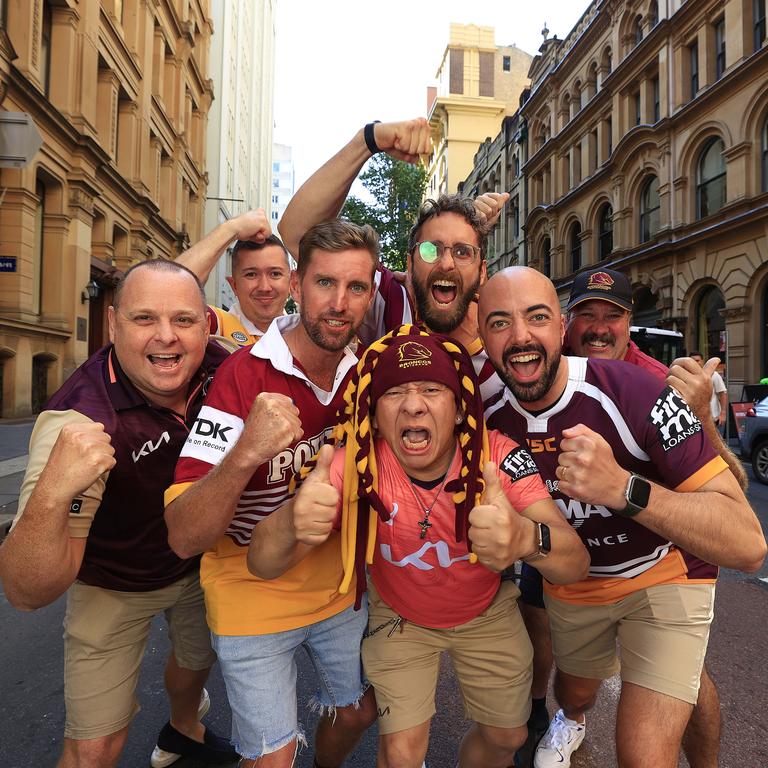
(322, 196)
(203, 255)
(288, 535)
(714, 522)
(694, 383)
(40, 559)
(500, 535)
(197, 518)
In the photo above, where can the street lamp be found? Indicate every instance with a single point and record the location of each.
(91, 292)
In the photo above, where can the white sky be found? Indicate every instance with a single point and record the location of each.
(343, 63)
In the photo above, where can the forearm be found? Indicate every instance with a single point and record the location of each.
(39, 559)
(717, 526)
(728, 456)
(322, 196)
(203, 255)
(198, 518)
(274, 548)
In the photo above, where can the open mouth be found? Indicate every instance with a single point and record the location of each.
(444, 291)
(525, 365)
(335, 324)
(597, 345)
(164, 361)
(415, 440)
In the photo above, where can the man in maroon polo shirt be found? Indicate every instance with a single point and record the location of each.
(91, 521)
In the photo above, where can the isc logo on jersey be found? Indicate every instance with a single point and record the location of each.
(519, 464)
(212, 435)
(287, 463)
(673, 418)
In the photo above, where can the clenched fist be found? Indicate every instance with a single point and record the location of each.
(490, 205)
(315, 506)
(498, 534)
(406, 140)
(80, 455)
(252, 225)
(272, 425)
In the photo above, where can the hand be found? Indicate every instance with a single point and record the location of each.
(587, 469)
(406, 140)
(315, 506)
(489, 206)
(272, 425)
(498, 534)
(81, 454)
(253, 225)
(694, 383)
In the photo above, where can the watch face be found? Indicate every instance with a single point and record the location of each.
(546, 543)
(639, 492)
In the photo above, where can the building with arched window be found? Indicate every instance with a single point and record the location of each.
(119, 90)
(648, 153)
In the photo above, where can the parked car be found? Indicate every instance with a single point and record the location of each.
(661, 344)
(754, 440)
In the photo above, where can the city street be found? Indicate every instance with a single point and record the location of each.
(32, 707)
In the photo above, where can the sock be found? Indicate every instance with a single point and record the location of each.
(538, 705)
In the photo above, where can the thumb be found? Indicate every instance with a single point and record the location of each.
(576, 430)
(322, 471)
(711, 365)
(492, 483)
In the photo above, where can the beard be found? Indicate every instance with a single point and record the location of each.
(319, 335)
(439, 320)
(530, 392)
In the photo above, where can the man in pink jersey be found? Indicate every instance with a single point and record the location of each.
(269, 411)
(614, 442)
(418, 395)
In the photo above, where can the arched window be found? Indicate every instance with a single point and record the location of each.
(605, 232)
(710, 179)
(650, 205)
(546, 257)
(653, 13)
(575, 247)
(637, 30)
(710, 337)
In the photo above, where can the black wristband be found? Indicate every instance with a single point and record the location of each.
(370, 142)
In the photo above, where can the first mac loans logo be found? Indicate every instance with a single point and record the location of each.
(519, 464)
(673, 418)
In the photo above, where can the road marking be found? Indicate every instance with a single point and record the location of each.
(14, 465)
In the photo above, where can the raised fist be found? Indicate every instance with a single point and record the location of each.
(272, 425)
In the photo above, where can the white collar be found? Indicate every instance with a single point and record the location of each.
(250, 328)
(272, 347)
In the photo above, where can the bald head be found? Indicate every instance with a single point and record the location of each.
(516, 284)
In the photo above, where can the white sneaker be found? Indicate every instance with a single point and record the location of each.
(160, 758)
(562, 739)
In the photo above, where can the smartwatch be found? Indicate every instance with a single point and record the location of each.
(543, 544)
(637, 493)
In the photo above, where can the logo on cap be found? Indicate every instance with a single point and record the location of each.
(412, 353)
(600, 281)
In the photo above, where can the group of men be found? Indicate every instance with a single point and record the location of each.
(621, 452)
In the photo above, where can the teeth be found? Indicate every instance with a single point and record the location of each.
(444, 284)
(415, 439)
(165, 357)
(598, 343)
(524, 358)
(335, 323)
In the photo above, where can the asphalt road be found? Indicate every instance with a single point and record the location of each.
(32, 711)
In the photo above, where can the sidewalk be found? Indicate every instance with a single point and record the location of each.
(14, 443)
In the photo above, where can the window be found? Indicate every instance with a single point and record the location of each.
(764, 142)
(710, 179)
(609, 132)
(505, 63)
(516, 165)
(575, 247)
(638, 30)
(650, 205)
(274, 198)
(693, 52)
(274, 215)
(605, 232)
(45, 50)
(516, 217)
(758, 19)
(719, 48)
(275, 183)
(546, 257)
(275, 167)
(653, 13)
(656, 100)
(637, 105)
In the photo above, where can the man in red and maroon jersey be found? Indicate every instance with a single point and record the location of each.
(90, 521)
(446, 249)
(598, 429)
(270, 408)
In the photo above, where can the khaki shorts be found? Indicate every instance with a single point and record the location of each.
(491, 654)
(662, 632)
(105, 634)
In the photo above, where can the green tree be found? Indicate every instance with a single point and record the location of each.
(397, 189)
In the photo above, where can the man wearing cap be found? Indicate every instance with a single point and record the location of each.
(431, 481)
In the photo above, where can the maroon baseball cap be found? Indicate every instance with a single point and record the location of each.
(603, 284)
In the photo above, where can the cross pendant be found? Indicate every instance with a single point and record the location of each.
(425, 525)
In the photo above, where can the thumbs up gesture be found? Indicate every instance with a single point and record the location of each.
(316, 503)
(694, 383)
(497, 532)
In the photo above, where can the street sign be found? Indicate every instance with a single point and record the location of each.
(7, 263)
(19, 139)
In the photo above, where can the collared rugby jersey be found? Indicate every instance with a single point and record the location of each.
(238, 603)
(652, 432)
(232, 327)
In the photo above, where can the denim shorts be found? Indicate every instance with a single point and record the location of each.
(260, 675)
